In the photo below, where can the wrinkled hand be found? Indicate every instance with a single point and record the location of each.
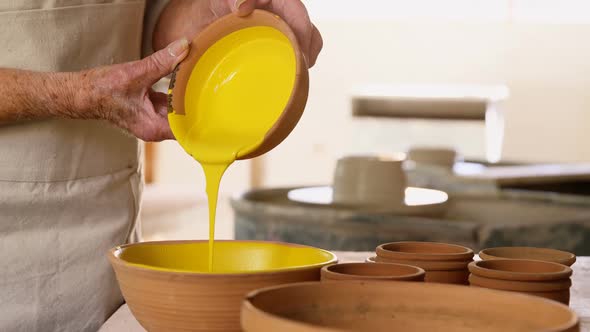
(186, 18)
(122, 94)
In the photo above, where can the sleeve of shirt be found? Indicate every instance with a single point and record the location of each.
(153, 10)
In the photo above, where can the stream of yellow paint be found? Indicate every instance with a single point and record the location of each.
(235, 94)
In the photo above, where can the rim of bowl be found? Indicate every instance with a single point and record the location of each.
(462, 254)
(417, 271)
(247, 304)
(227, 25)
(425, 265)
(520, 286)
(553, 255)
(486, 269)
(114, 257)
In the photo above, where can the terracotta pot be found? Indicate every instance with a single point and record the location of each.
(545, 279)
(540, 254)
(443, 263)
(166, 293)
(370, 181)
(223, 27)
(372, 272)
(405, 306)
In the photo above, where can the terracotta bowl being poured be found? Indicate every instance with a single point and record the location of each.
(215, 63)
(399, 306)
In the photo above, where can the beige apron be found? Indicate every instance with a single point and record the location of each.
(69, 190)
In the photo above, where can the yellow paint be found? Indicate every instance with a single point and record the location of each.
(235, 94)
(230, 257)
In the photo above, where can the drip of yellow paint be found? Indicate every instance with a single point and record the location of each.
(214, 173)
(235, 94)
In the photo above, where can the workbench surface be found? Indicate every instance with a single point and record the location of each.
(123, 320)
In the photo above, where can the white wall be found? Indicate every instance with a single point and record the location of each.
(546, 67)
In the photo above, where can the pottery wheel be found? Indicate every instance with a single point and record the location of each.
(418, 201)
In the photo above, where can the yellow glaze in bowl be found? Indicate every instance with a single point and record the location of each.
(168, 287)
(230, 257)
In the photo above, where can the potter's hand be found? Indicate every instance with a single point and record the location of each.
(186, 18)
(122, 94)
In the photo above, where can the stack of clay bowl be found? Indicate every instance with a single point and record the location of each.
(443, 263)
(534, 271)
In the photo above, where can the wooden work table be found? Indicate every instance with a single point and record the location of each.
(123, 320)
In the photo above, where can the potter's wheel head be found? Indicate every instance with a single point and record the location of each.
(417, 202)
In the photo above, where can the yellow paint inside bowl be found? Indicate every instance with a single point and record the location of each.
(230, 257)
(235, 94)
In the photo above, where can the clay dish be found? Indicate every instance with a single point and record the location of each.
(168, 286)
(541, 254)
(406, 306)
(223, 27)
(372, 272)
(443, 263)
(546, 279)
(424, 251)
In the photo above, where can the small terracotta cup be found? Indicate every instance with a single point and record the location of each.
(441, 157)
(443, 263)
(372, 272)
(370, 181)
(545, 279)
(540, 254)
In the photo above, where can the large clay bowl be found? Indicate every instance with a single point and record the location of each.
(443, 262)
(168, 286)
(372, 272)
(544, 279)
(399, 306)
(540, 254)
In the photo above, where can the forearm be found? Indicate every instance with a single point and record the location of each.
(28, 95)
(184, 19)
